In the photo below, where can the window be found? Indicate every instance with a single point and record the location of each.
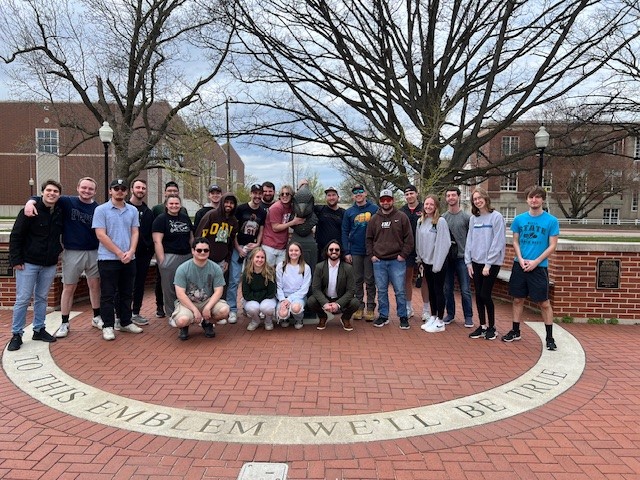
(614, 180)
(634, 201)
(510, 145)
(547, 180)
(610, 216)
(47, 141)
(636, 149)
(509, 213)
(509, 183)
(578, 182)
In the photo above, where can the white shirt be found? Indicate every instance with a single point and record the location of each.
(332, 287)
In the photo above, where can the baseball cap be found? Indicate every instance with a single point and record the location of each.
(357, 186)
(386, 193)
(256, 187)
(214, 188)
(410, 188)
(331, 189)
(119, 182)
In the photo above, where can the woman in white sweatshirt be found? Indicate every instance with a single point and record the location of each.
(293, 278)
(483, 255)
(432, 247)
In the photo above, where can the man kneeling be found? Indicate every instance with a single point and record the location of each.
(199, 284)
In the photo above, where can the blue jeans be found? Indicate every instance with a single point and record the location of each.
(235, 272)
(385, 271)
(34, 280)
(460, 270)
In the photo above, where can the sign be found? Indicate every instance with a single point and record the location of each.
(608, 273)
(6, 270)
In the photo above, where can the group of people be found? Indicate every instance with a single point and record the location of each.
(286, 255)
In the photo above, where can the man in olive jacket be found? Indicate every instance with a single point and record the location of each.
(333, 288)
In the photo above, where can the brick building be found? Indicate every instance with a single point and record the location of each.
(579, 163)
(40, 141)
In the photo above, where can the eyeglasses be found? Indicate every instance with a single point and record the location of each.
(356, 192)
(119, 188)
(202, 250)
(285, 194)
(334, 249)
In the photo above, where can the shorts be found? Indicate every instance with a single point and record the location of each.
(74, 262)
(534, 284)
(182, 311)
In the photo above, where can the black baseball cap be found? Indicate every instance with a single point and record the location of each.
(256, 187)
(214, 188)
(119, 182)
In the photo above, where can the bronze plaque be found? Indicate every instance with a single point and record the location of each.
(6, 270)
(608, 273)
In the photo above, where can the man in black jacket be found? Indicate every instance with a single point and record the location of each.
(34, 248)
(333, 289)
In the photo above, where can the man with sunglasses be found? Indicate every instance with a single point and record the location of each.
(199, 284)
(116, 223)
(333, 289)
(276, 227)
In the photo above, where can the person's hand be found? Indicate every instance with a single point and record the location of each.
(30, 209)
(297, 221)
(470, 270)
(374, 259)
(348, 258)
(486, 270)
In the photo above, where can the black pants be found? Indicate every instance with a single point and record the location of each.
(484, 288)
(435, 281)
(116, 278)
(347, 312)
(142, 268)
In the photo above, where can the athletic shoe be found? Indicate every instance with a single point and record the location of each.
(468, 322)
(63, 330)
(426, 317)
(116, 324)
(298, 324)
(346, 324)
(358, 314)
(551, 344)
(284, 322)
(160, 312)
(131, 328)
(97, 322)
(15, 342)
(209, 330)
(370, 316)
(429, 322)
(43, 336)
(448, 319)
(253, 325)
(108, 333)
(322, 323)
(222, 321)
(268, 324)
(404, 323)
(491, 334)
(511, 336)
(436, 327)
(139, 319)
(380, 321)
(409, 311)
(184, 333)
(478, 333)
(233, 317)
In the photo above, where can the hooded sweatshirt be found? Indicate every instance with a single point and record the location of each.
(354, 228)
(389, 235)
(220, 228)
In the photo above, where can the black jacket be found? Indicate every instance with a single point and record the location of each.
(36, 240)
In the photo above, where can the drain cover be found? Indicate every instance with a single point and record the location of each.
(263, 471)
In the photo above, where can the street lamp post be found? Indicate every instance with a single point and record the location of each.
(226, 104)
(542, 142)
(106, 136)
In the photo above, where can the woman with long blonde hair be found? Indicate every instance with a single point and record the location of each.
(258, 289)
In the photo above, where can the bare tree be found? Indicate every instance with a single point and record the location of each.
(136, 63)
(419, 77)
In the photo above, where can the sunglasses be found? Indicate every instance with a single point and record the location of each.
(334, 249)
(356, 192)
(202, 250)
(285, 194)
(119, 188)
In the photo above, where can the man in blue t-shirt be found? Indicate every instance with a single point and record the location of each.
(535, 237)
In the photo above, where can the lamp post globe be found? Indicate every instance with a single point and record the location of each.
(106, 137)
(542, 142)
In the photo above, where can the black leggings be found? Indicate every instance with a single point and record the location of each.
(435, 281)
(484, 287)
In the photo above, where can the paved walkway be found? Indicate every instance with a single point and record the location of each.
(363, 401)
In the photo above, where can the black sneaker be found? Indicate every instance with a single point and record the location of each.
(404, 323)
(160, 312)
(43, 336)
(491, 334)
(15, 342)
(511, 336)
(478, 333)
(209, 331)
(381, 322)
(184, 333)
(551, 344)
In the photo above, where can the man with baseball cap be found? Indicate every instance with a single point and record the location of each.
(389, 243)
(329, 226)
(214, 196)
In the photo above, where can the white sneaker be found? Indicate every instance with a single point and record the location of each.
(222, 321)
(268, 325)
(108, 334)
(131, 328)
(97, 322)
(429, 323)
(253, 325)
(426, 316)
(116, 324)
(63, 330)
(435, 327)
(233, 317)
(298, 324)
